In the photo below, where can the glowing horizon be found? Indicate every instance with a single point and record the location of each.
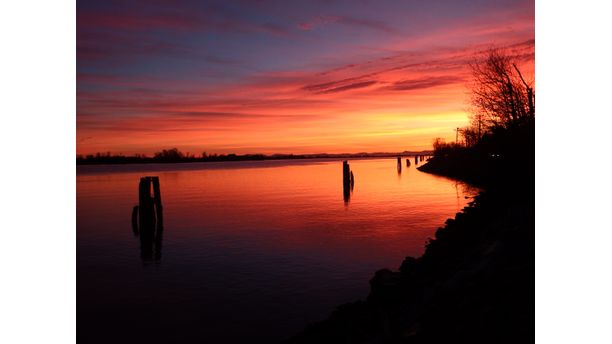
(264, 78)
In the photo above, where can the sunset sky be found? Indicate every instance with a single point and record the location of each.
(283, 76)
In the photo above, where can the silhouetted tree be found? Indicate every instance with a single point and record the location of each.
(470, 136)
(169, 154)
(441, 148)
(438, 144)
(500, 96)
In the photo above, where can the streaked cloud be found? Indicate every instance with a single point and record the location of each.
(416, 84)
(267, 77)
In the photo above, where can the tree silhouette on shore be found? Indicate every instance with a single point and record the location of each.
(500, 96)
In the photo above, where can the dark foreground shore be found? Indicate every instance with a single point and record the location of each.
(473, 284)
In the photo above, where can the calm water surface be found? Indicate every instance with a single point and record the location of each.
(252, 251)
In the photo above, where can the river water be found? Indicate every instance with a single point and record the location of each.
(250, 251)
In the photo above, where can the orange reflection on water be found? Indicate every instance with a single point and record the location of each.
(288, 205)
(241, 239)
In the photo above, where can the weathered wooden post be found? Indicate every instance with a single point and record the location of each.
(157, 199)
(348, 180)
(147, 218)
(346, 173)
(416, 160)
(399, 164)
(407, 162)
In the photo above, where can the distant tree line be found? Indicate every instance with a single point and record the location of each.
(166, 156)
(174, 155)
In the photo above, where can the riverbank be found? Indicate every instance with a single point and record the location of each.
(474, 283)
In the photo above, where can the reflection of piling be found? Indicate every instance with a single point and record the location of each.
(135, 220)
(352, 181)
(147, 218)
(399, 164)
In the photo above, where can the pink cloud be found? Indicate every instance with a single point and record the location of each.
(317, 21)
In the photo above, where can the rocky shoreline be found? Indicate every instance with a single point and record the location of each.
(474, 283)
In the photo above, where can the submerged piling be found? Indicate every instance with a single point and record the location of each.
(407, 162)
(399, 164)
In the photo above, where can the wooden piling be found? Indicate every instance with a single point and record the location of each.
(146, 215)
(157, 199)
(147, 218)
(407, 162)
(346, 180)
(346, 172)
